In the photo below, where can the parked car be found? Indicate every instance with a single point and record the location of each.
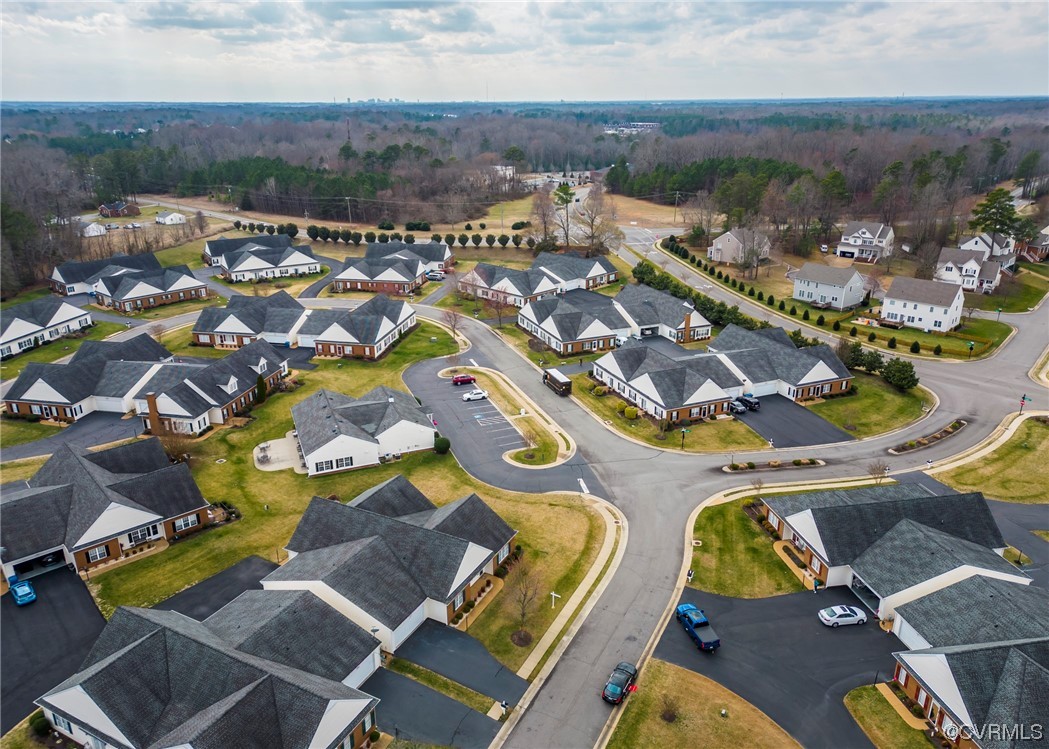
(133, 225)
(620, 683)
(736, 407)
(22, 591)
(750, 402)
(110, 227)
(463, 379)
(824, 248)
(838, 615)
(475, 395)
(433, 275)
(697, 626)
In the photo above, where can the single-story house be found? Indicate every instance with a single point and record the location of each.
(432, 255)
(214, 249)
(824, 286)
(550, 274)
(92, 229)
(147, 289)
(160, 679)
(250, 263)
(988, 695)
(932, 306)
(117, 209)
(390, 275)
(866, 240)
(170, 218)
(892, 544)
(73, 277)
(275, 318)
(338, 432)
(654, 312)
(739, 246)
(38, 321)
(993, 247)
(90, 508)
(969, 269)
(430, 560)
(366, 332)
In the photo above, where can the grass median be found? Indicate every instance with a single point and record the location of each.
(876, 408)
(1014, 472)
(882, 724)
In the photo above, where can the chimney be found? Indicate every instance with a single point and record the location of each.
(154, 414)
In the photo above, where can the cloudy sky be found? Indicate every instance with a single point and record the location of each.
(317, 50)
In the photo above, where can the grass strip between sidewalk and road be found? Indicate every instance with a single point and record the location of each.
(19, 431)
(882, 724)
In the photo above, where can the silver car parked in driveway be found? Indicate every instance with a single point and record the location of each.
(837, 616)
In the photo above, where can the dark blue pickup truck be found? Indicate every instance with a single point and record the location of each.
(698, 627)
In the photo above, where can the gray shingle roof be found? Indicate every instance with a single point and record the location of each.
(994, 610)
(778, 352)
(468, 518)
(166, 680)
(574, 311)
(937, 293)
(371, 268)
(295, 628)
(432, 252)
(675, 380)
(989, 270)
(36, 311)
(958, 256)
(218, 247)
(326, 415)
(393, 498)
(571, 265)
(276, 313)
(364, 322)
(648, 306)
(275, 256)
(75, 272)
(878, 231)
(910, 553)
(827, 274)
(120, 287)
(525, 281)
(788, 504)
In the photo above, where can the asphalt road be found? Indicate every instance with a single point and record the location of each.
(208, 596)
(43, 643)
(779, 657)
(94, 429)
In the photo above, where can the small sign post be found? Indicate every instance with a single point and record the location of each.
(683, 433)
(553, 599)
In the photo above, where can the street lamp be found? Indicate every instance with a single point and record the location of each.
(999, 314)
(683, 433)
(972, 345)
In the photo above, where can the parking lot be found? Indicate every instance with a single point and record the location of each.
(786, 424)
(777, 655)
(489, 425)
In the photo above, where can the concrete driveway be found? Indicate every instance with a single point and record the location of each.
(785, 423)
(208, 596)
(413, 712)
(464, 659)
(779, 657)
(44, 643)
(94, 429)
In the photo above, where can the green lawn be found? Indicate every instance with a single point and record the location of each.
(955, 345)
(877, 406)
(420, 294)
(20, 470)
(59, 348)
(20, 431)
(167, 310)
(178, 342)
(737, 558)
(519, 339)
(20, 737)
(26, 296)
(1015, 472)
(1014, 294)
(445, 686)
(723, 435)
(190, 253)
(1044, 535)
(883, 725)
(294, 285)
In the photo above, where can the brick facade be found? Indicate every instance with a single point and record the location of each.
(213, 340)
(56, 412)
(345, 350)
(679, 415)
(933, 712)
(383, 287)
(815, 391)
(155, 300)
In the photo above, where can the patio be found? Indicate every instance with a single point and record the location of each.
(279, 455)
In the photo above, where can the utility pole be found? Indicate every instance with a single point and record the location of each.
(349, 213)
(676, 196)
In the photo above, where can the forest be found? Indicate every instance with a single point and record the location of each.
(799, 166)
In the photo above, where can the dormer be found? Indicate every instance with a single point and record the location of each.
(231, 386)
(261, 366)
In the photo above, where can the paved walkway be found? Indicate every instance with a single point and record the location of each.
(894, 702)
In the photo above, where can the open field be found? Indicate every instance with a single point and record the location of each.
(736, 558)
(697, 703)
(26, 296)
(20, 431)
(877, 406)
(722, 435)
(57, 349)
(1015, 472)
(883, 725)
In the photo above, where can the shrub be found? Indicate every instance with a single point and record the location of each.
(385, 225)
(692, 259)
(804, 315)
(916, 347)
(782, 305)
(796, 461)
(483, 226)
(374, 736)
(600, 390)
(369, 236)
(748, 502)
(750, 464)
(39, 723)
(917, 710)
(853, 331)
(501, 571)
(872, 338)
(938, 350)
(442, 445)
(457, 618)
(794, 311)
(771, 300)
(620, 407)
(733, 466)
(590, 386)
(892, 342)
(761, 296)
(750, 291)
(821, 320)
(469, 227)
(734, 283)
(630, 412)
(775, 463)
(742, 287)
(710, 269)
(33, 418)
(720, 275)
(469, 606)
(837, 325)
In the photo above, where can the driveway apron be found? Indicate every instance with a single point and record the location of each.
(786, 424)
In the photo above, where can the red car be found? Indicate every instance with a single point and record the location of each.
(464, 379)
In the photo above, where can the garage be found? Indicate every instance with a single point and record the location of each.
(45, 561)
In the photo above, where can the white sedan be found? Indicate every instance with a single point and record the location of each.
(475, 395)
(839, 615)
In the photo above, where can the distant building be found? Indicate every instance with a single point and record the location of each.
(170, 218)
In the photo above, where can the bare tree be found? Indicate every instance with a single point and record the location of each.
(453, 320)
(176, 444)
(757, 484)
(878, 470)
(599, 231)
(700, 210)
(525, 591)
(544, 215)
(156, 331)
(200, 221)
(500, 305)
(927, 256)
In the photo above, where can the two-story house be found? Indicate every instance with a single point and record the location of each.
(823, 286)
(866, 240)
(932, 306)
(739, 246)
(993, 246)
(969, 269)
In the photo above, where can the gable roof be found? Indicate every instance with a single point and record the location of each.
(570, 265)
(648, 306)
(937, 293)
(393, 498)
(73, 271)
(364, 324)
(431, 252)
(39, 312)
(757, 353)
(218, 247)
(745, 236)
(675, 380)
(469, 518)
(277, 313)
(158, 679)
(573, 312)
(994, 610)
(820, 273)
(408, 269)
(876, 230)
(325, 415)
(273, 256)
(120, 287)
(958, 257)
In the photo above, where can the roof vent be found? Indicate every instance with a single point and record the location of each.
(390, 399)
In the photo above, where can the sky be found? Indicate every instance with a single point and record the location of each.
(320, 50)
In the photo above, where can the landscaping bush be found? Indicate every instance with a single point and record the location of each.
(775, 463)
(630, 413)
(33, 418)
(796, 461)
(39, 723)
(821, 320)
(853, 331)
(761, 296)
(750, 291)
(804, 315)
(600, 390)
(750, 464)
(501, 571)
(733, 466)
(872, 338)
(442, 445)
(916, 347)
(782, 306)
(720, 275)
(418, 226)
(483, 226)
(892, 342)
(734, 283)
(794, 311)
(590, 386)
(518, 225)
(917, 710)
(457, 618)
(620, 407)
(469, 227)
(710, 269)
(374, 736)
(385, 225)
(837, 325)
(742, 287)
(748, 502)
(938, 350)
(469, 606)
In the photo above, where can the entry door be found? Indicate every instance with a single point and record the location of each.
(338, 350)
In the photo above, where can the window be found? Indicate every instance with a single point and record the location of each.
(816, 565)
(826, 388)
(61, 723)
(14, 408)
(458, 602)
(98, 553)
(142, 534)
(187, 522)
(503, 553)
(344, 462)
(937, 324)
(369, 721)
(323, 465)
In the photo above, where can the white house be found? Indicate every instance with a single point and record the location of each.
(993, 246)
(969, 269)
(866, 240)
(93, 229)
(823, 286)
(253, 263)
(337, 432)
(170, 218)
(925, 305)
(39, 321)
(739, 246)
